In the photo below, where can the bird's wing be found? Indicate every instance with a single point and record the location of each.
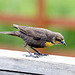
(30, 31)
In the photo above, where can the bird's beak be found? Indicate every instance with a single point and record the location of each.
(63, 42)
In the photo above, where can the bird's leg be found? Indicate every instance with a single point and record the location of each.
(35, 50)
(38, 53)
(29, 52)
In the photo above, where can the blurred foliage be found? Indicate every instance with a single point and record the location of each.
(56, 8)
(20, 7)
(28, 7)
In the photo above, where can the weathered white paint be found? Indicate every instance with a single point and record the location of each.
(48, 65)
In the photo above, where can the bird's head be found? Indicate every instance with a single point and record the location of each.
(58, 39)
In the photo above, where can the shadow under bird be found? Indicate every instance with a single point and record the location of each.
(36, 38)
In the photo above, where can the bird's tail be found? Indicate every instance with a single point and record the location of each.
(14, 33)
(5, 32)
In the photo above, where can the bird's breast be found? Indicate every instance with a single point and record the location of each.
(48, 44)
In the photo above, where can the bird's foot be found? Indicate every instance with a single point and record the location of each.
(43, 54)
(35, 55)
(32, 55)
(40, 54)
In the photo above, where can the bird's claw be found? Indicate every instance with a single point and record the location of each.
(40, 54)
(32, 55)
(35, 55)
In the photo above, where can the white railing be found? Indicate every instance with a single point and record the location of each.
(16, 63)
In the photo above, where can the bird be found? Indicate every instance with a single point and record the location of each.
(36, 38)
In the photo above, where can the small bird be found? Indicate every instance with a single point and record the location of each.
(37, 38)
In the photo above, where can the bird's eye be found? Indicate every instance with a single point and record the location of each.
(58, 39)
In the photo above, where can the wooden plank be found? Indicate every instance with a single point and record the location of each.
(16, 61)
(42, 22)
(16, 19)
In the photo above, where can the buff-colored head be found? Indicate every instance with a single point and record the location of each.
(58, 39)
